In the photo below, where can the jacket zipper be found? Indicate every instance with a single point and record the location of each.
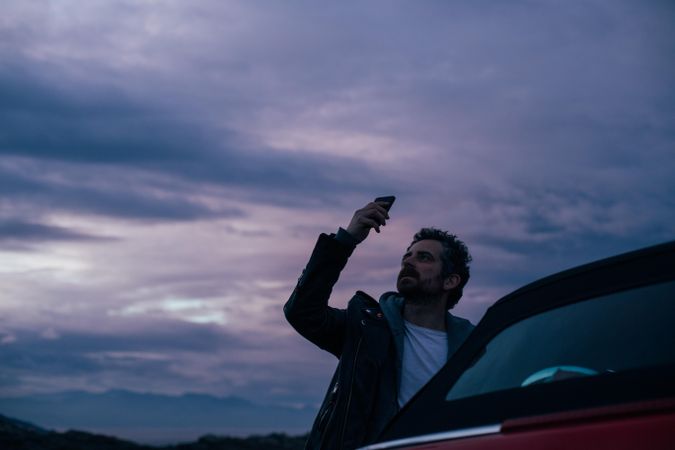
(332, 402)
(349, 397)
(329, 407)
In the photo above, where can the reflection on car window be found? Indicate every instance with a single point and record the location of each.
(621, 331)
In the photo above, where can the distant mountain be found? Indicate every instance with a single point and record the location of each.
(7, 423)
(19, 435)
(156, 419)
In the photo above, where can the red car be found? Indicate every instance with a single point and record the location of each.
(583, 359)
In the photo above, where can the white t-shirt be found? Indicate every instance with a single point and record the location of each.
(424, 353)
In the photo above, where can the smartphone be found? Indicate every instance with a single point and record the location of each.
(389, 200)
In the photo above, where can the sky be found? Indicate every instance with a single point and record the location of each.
(167, 166)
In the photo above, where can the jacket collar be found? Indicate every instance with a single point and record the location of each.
(392, 308)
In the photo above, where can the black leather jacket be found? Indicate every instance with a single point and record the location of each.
(366, 337)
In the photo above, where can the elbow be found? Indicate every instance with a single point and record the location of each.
(290, 311)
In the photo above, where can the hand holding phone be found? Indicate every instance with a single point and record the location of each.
(373, 215)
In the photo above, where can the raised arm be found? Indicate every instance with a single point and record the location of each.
(307, 309)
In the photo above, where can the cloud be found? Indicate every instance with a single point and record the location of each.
(91, 354)
(190, 310)
(13, 230)
(183, 357)
(79, 146)
(49, 188)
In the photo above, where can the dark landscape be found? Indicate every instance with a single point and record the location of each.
(19, 435)
(156, 419)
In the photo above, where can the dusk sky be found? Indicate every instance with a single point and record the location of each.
(167, 166)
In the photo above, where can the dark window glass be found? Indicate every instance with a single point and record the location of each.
(626, 330)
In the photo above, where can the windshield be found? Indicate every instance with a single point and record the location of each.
(617, 332)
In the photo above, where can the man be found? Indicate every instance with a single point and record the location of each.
(387, 350)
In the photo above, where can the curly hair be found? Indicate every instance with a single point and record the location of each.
(455, 258)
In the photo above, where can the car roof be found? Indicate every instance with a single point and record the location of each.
(648, 252)
(624, 271)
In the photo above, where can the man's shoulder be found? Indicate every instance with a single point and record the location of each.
(460, 325)
(367, 319)
(387, 300)
(460, 320)
(362, 305)
(361, 298)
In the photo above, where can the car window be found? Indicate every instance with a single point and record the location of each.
(617, 332)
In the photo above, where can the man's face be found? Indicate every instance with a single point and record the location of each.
(421, 271)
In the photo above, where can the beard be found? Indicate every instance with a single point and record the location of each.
(418, 291)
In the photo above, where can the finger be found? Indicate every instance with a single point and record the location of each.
(376, 211)
(379, 206)
(377, 217)
(370, 223)
(382, 208)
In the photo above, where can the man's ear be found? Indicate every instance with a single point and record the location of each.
(451, 282)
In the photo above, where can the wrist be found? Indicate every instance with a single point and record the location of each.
(345, 237)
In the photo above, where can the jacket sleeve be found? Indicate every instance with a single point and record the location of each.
(307, 309)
